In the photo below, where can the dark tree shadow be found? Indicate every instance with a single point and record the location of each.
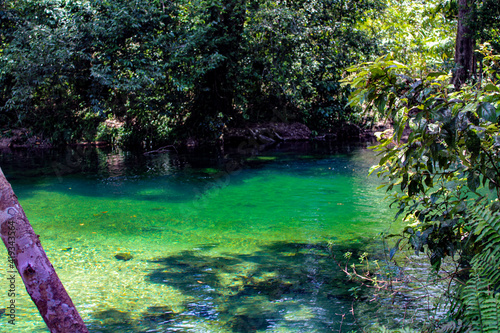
(284, 284)
(155, 319)
(296, 286)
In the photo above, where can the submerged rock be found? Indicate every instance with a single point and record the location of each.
(113, 319)
(125, 256)
(158, 314)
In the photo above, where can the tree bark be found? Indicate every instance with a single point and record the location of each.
(28, 257)
(464, 46)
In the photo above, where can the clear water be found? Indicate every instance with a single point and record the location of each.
(221, 242)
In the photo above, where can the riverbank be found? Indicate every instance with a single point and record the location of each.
(255, 134)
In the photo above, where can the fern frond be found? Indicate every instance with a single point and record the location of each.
(488, 226)
(472, 297)
(486, 263)
(482, 306)
(491, 311)
(479, 296)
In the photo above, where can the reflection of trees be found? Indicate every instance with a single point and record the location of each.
(115, 164)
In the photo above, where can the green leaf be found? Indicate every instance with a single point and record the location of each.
(473, 181)
(435, 74)
(413, 188)
(404, 181)
(435, 196)
(487, 111)
(491, 87)
(473, 142)
(377, 71)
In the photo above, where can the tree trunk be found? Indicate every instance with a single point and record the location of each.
(464, 46)
(27, 255)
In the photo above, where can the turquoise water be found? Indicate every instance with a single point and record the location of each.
(221, 241)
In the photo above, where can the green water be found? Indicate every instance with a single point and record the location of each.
(221, 242)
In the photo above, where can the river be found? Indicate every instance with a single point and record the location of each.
(234, 241)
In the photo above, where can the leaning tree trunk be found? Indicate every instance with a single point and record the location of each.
(27, 255)
(464, 46)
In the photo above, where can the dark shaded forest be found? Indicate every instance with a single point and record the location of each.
(149, 73)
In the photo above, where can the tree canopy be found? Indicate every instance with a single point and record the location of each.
(165, 70)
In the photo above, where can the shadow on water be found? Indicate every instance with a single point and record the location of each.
(155, 319)
(293, 286)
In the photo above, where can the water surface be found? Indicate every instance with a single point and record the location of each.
(221, 241)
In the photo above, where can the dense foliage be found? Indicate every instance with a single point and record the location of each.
(441, 163)
(149, 71)
(420, 33)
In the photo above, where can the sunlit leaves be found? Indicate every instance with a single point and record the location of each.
(416, 32)
(450, 158)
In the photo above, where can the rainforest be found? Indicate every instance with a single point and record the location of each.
(250, 165)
